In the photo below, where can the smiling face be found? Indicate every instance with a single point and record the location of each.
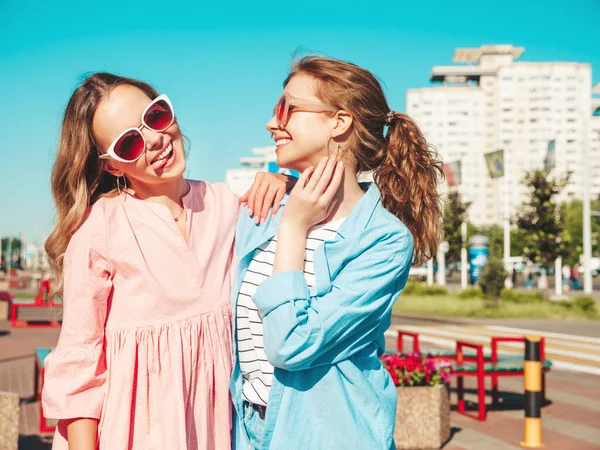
(302, 142)
(164, 158)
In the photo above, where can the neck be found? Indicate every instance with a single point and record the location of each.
(168, 194)
(347, 196)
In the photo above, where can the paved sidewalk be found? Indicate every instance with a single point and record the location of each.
(567, 352)
(571, 420)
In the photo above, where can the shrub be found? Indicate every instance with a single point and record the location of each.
(513, 296)
(433, 290)
(6, 296)
(411, 288)
(567, 304)
(470, 293)
(422, 290)
(492, 278)
(585, 304)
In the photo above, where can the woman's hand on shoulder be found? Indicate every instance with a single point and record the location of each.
(313, 197)
(267, 191)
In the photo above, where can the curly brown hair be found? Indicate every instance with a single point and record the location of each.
(406, 169)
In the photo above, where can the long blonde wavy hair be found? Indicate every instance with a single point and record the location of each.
(79, 177)
(406, 169)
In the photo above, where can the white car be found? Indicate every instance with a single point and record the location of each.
(418, 272)
(595, 266)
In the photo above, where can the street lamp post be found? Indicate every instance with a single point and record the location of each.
(587, 210)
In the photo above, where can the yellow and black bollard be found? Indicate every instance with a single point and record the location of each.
(533, 393)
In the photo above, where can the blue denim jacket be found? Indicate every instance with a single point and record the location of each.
(329, 389)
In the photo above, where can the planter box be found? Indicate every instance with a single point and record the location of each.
(4, 310)
(9, 420)
(422, 417)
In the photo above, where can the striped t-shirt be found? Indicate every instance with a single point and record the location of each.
(256, 371)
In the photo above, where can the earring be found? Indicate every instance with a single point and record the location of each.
(338, 147)
(124, 184)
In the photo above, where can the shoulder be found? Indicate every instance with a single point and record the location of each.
(218, 191)
(92, 233)
(391, 235)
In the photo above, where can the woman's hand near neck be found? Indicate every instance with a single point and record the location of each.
(347, 196)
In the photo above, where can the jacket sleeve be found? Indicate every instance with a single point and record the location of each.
(75, 370)
(302, 331)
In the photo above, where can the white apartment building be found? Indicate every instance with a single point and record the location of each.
(487, 102)
(240, 179)
(595, 138)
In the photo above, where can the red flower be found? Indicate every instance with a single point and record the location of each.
(416, 369)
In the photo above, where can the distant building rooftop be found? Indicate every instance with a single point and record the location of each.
(473, 55)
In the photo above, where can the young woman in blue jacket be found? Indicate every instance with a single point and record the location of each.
(317, 281)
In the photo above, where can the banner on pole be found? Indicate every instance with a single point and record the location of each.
(495, 163)
(550, 158)
(453, 173)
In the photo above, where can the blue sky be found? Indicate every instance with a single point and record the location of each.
(223, 66)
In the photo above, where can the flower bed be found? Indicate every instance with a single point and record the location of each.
(423, 409)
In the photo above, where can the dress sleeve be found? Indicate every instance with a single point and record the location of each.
(75, 370)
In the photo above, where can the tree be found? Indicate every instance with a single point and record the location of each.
(15, 251)
(573, 230)
(492, 280)
(455, 213)
(540, 218)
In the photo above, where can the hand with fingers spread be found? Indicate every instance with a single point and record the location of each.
(267, 191)
(310, 202)
(312, 199)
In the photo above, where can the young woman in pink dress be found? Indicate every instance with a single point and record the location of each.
(144, 261)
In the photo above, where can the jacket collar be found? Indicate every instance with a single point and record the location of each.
(356, 222)
(361, 214)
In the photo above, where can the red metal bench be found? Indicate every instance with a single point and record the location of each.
(42, 300)
(476, 364)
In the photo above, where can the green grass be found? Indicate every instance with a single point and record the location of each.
(453, 306)
(19, 295)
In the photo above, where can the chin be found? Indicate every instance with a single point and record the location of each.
(291, 164)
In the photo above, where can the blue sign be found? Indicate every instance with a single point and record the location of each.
(478, 257)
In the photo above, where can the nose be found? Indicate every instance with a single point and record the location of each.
(154, 139)
(272, 125)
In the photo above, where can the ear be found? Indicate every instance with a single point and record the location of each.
(113, 168)
(343, 123)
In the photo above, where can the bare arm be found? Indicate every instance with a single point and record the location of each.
(266, 192)
(82, 434)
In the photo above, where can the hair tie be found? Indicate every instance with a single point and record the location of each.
(390, 117)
